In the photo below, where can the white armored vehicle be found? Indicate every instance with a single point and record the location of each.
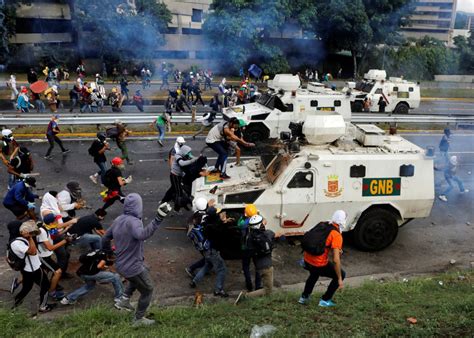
(399, 95)
(287, 102)
(381, 181)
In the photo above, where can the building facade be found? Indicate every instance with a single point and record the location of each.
(434, 18)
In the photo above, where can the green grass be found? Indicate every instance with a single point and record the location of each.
(448, 92)
(374, 309)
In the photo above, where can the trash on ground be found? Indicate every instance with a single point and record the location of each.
(412, 320)
(262, 331)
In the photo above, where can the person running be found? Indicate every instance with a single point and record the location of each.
(128, 233)
(114, 182)
(97, 150)
(20, 199)
(52, 136)
(24, 247)
(217, 139)
(450, 175)
(23, 102)
(138, 100)
(206, 122)
(52, 95)
(161, 122)
(122, 134)
(321, 266)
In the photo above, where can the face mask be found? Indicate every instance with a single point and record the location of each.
(121, 166)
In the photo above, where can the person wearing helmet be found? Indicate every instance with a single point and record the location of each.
(97, 151)
(321, 266)
(52, 136)
(52, 95)
(115, 100)
(217, 139)
(20, 199)
(200, 206)
(450, 175)
(114, 181)
(10, 149)
(260, 245)
(243, 224)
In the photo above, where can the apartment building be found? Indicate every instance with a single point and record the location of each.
(434, 18)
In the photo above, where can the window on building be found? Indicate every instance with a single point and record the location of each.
(197, 15)
(314, 103)
(171, 54)
(42, 26)
(407, 170)
(357, 171)
(302, 179)
(192, 31)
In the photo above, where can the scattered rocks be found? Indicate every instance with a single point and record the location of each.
(452, 261)
(468, 224)
(412, 320)
(440, 283)
(461, 277)
(405, 280)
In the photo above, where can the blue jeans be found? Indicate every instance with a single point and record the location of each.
(213, 260)
(449, 180)
(161, 130)
(95, 241)
(12, 180)
(102, 169)
(102, 276)
(221, 150)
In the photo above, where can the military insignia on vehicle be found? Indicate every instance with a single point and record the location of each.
(333, 189)
(381, 186)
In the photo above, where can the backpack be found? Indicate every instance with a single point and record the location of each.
(92, 151)
(112, 132)
(314, 241)
(259, 243)
(196, 235)
(15, 262)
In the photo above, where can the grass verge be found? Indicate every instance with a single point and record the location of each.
(465, 93)
(443, 305)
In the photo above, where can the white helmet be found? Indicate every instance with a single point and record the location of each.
(180, 140)
(255, 221)
(200, 204)
(6, 132)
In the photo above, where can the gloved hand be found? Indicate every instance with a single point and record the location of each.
(128, 180)
(31, 205)
(163, 210)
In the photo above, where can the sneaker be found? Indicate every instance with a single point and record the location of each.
(189, 273)
(443, 198)
(66, 301)
(192, 285)
(224, 176)
(464, 191)
(221, 293)
(47, 308)
(303, 300)
(15, 285)
(326, 303)
(160, 143)
(48, 157)
(143, 322)
(124, 304)
(65, 151)
(57, 295)
(93, 179)
(239, 297)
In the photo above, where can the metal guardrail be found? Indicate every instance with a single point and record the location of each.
(149, 118)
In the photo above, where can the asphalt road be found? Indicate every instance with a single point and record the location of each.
(423, 245)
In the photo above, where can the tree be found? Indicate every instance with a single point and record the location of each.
(8, 28)
(121, 30)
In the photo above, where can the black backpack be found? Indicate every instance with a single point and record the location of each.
(314, 241)
(259, 243)
(15, 262)
(92, 151)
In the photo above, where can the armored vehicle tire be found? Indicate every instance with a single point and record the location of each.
(375, 230)
(357, 106)
(401, 108)
(256, 132)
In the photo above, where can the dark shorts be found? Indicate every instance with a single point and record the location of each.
(18, 209)
(49, 264)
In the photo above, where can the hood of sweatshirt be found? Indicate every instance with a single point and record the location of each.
(133, 205)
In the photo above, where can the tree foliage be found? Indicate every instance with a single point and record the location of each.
(119, 29)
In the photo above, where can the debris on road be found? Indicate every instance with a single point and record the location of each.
(452, 261)
(412, 320)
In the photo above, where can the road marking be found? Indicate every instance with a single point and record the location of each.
(209, 158)
(444, 109)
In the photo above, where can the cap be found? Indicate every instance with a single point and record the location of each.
(453, 160)
(117, 161)
(24, 89)
(73, 185)
(101, 135)
(184, 150)
(180, 140)
(200, 204)
(28, 226)
(51, 218)
(55, 88)
(6, 132)
(31, 181)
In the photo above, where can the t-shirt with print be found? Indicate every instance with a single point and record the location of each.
(334, 241)
(19, 248)
(43, 237)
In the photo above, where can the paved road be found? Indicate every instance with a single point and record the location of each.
(423, 245)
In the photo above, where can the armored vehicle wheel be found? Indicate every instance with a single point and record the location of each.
(256, 132)
(375, 230)
(357, 106)
(401, 108)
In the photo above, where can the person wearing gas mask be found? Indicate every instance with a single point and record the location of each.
(70, 199)
(97, 151)
(10, 149)
(20, 199)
